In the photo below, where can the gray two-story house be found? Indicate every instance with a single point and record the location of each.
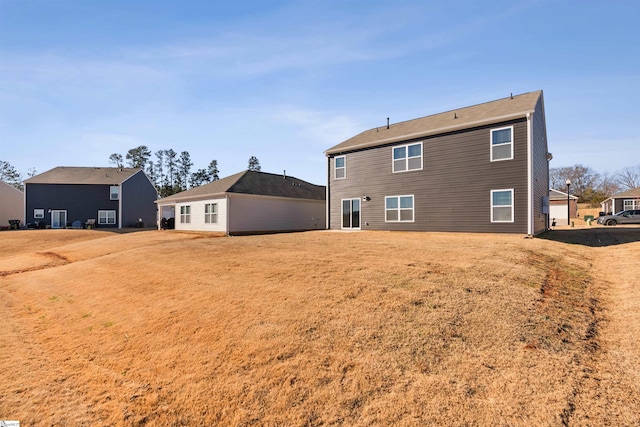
(104, 197)
(483, 168)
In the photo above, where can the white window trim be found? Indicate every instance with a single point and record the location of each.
(185, 218)
(111, 192)
(513, 204)
(38, 211)
(406, 159)
(399, 209)
(633, 205)
(106, 217)
(211, 215)
(335, 167)
(491, 145)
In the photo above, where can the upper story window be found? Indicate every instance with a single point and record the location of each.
(185, 214)
(502, 205)
(398, 208)
(340, 167)
(114, 192)
(211, 213)
(407, 157)
(502, 143)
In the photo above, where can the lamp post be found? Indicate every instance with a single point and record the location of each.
(568, 182)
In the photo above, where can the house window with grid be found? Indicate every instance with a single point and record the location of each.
(107, 217)
(398, 209)
(340, 167)
(407, 157)
(185, 214)
(630, 204)
(211, 213)
(114, 192)
(502, 205)
(502, 144)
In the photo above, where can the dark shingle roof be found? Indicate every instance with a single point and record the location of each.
(463, 118)
(252, 182)
(83, 175)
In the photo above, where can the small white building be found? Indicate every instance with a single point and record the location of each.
(246, 203)
(11, 204)
(558, 206)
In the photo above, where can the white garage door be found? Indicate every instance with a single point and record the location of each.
(558, 212)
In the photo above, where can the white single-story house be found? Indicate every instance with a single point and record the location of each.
(558, 206)
(11, 204)
(624, 201)
(245, 203)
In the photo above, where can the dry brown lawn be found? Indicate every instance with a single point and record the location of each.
(320, 328)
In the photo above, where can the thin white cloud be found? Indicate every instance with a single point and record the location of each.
(323, 129)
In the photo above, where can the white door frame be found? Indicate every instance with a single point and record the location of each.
(57, 212)
(351, 213)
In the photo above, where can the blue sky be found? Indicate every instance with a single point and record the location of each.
(286, 80)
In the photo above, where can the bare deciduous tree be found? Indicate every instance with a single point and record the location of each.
(629, 177)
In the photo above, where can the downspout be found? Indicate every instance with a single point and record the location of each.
(228, 212)
(328, 199)
(120, 205)
(529, 177)
(24, 207)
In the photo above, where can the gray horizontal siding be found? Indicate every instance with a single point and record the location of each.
(452, 191)
(540, 165)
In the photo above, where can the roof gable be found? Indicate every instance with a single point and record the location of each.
(559, 195)
(464, 118)
(84, 175)
(634, 192)
(10, 188)
(252, 182)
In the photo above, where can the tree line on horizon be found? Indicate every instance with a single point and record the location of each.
(171, 173)
(590, 186)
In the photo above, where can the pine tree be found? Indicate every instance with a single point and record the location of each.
(10, 175)
(139, 156)
(116, 159)
(213, 171)
(184, 164)
(254, 164)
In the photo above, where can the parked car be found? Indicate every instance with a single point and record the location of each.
(622, 217)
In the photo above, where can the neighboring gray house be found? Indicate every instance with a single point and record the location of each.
(483, 168)
(247, 202)
(626, 200)
(110, 197)
(11, 204)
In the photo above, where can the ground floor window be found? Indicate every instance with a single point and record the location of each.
(107, 217)
(630, 204)
(185, 214)
(38, 213)
(211, 213)
(398, 208)
(502, 205)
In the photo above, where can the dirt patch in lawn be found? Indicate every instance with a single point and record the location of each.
(317, 328)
